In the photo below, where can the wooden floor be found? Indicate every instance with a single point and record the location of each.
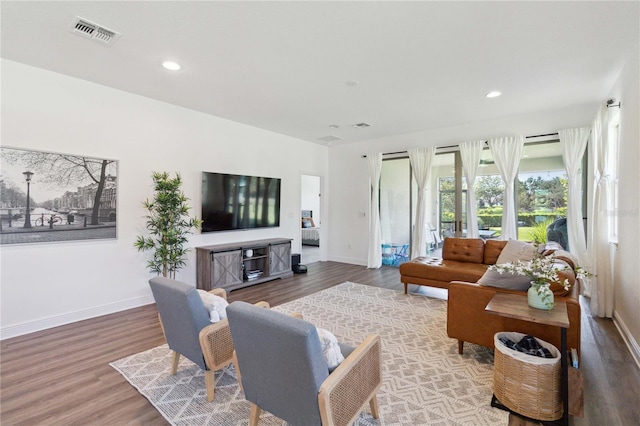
(61, 376)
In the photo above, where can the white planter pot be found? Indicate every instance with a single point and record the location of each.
(544, 300)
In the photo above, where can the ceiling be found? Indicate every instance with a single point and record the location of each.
(291, 67)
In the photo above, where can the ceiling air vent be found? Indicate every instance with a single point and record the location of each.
(330, 138)
(93, 31)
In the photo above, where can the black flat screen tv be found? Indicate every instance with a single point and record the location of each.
(232, 202)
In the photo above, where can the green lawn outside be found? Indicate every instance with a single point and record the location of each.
(524, 232)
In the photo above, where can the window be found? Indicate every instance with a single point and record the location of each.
(542, 194)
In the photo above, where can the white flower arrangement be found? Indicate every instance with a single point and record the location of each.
(542, 271)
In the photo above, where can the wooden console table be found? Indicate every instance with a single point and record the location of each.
(515, 306)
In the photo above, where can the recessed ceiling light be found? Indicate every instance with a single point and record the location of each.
(493, 94)
(170, 65)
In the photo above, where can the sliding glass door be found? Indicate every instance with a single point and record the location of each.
(449, 195)
(397, 195)
(445, 214)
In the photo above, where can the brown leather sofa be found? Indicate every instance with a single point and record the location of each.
(468, 321)
(464, 261)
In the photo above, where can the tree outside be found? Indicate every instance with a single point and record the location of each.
(540, 200)
(537, 194)
(489, 191)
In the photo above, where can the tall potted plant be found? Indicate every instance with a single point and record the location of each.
(168, 223)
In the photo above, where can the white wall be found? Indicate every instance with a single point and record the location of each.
(627, 269)
(45, 285)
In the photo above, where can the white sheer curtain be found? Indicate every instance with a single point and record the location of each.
(507, 152)
(470, 153)
(600, 287)
(374, 166)
(573, 142)
(421, 159)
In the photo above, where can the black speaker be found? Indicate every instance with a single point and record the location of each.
(295, 259)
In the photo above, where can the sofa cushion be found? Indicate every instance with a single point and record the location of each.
(463, 249)
(566, 263)
(567, 257)
(492, 249)
(442, 269)
(565, 272)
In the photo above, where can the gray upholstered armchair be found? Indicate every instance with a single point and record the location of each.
(186, 326)
(284, 372)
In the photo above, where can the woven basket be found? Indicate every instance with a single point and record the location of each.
(527, 384)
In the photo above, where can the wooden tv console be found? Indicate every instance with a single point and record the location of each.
(236, 265)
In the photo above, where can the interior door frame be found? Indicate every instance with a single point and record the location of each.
(321, 207)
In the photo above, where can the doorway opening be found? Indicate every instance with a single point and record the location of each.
(311, 218)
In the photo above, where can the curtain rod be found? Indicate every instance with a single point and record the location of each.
(406, 152)
(611, 103)
(539, 136)
(388, 153)
(455, 146)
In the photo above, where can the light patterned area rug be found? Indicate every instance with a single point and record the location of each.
(425, 380)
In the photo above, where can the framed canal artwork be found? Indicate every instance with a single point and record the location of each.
(49, 197)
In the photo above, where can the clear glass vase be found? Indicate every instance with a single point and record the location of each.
(540, 297)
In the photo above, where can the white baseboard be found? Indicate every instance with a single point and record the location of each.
(632, 344)
(70, 317)
(347, 260)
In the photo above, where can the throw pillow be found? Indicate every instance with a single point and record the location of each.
(507, 280)
(512, 251)
(330, 348)
(215, 305)
(516, 250)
